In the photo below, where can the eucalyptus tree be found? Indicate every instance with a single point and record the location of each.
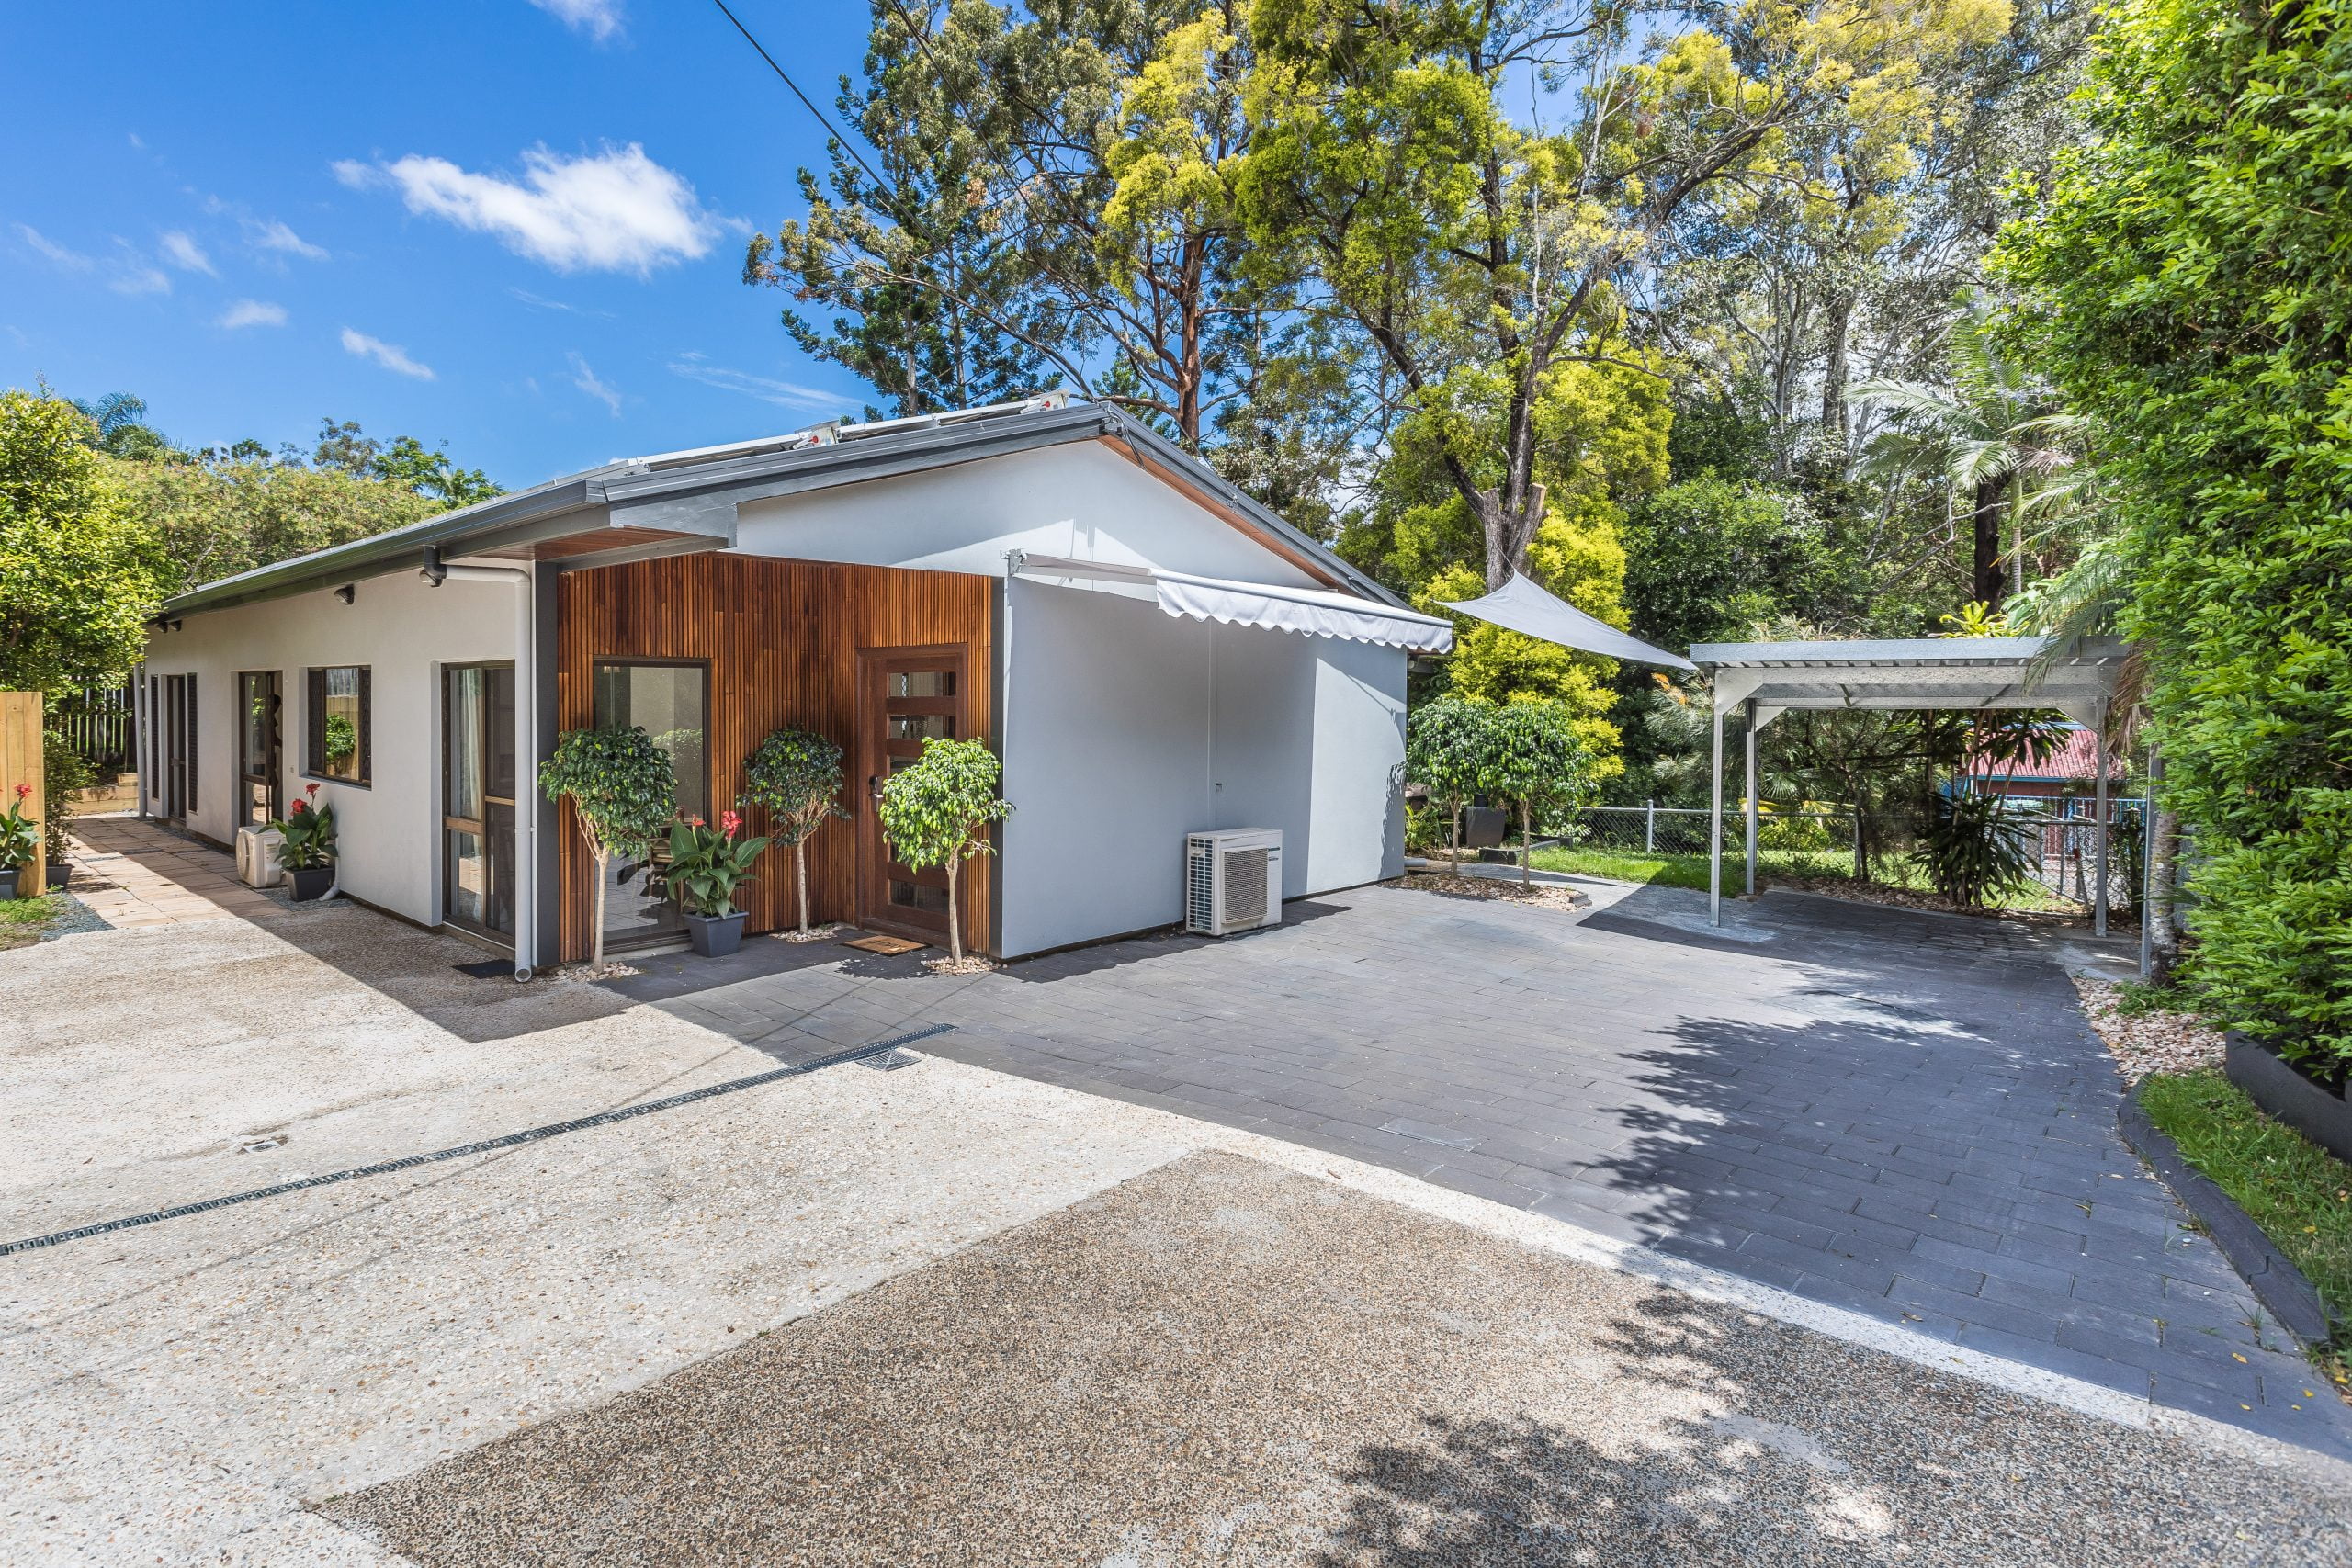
(1480, 258)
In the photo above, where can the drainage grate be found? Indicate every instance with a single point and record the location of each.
(889, 1061)
(531, 1135)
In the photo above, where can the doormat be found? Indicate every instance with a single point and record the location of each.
(889, 946)
(487, 969)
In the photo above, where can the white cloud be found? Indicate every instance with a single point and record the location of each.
(129, 273)
(183, 251)
(276, 236)
(600, 20)
(56, 254)
(254, 313)
(613, 211)
(389, 356)
(586, 379)
(784, 394)
(540, 302)
(135, 276)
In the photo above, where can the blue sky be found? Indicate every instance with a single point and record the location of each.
(515, 226)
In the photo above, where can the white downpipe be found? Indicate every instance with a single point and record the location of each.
(526, 754)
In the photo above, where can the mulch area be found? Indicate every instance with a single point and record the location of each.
(2156, 1040)
(1549, 894)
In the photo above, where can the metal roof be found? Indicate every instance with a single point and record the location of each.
(690, 497)
(2075, 676)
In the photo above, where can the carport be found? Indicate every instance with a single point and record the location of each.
(2077, 676)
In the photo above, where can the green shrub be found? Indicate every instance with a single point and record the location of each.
(796, 778)
(2186, 282)
(1976, 846)
(938, 812)
(1450, 744)
(623, 791)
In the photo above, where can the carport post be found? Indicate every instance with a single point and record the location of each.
(1715, 826)
(2099, 755)
(1754, 808)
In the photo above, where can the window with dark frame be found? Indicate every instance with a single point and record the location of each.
(338, 723)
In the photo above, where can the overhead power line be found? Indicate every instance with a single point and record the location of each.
(832, 131)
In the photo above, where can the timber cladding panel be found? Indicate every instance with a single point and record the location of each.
(781, 640)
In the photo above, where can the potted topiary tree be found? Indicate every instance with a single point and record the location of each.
(938, 811)
(796, 778)
(1448, 745)
(19, 843)
(706, 864)
(309, 851)
(623, 792)
(1538, 763)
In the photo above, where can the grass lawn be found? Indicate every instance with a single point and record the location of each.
(23, 919)
(2300, 1194)
(1690, 870)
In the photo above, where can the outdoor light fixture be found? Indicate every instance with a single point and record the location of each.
(348, 593)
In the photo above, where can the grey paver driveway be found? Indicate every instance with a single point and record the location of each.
(1902, 1114)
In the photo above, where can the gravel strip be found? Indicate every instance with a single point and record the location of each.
(1223, 1362)
(2157, 1041)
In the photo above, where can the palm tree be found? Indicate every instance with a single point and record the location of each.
(1995, 434)
(123, 430)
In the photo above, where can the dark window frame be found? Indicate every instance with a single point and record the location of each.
(598, 661)
(314, 726)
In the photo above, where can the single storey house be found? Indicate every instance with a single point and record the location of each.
(1151, 653)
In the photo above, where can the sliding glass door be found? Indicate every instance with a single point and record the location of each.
(261, 701)
(478, 795)
(671, 701)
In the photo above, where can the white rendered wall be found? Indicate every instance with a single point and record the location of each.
(1082, 500)
(1127, 729)
(404, 630)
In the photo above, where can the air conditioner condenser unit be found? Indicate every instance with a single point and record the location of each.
(257, 857)
(1233, 880)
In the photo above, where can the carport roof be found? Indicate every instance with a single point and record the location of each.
(2075, 675)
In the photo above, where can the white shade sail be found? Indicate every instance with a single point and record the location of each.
(1307, 611)
(1522, 606)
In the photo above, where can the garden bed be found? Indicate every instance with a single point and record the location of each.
(1547, 894)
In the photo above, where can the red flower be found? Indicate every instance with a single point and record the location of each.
(693, 822)
(23, 790)
(300, 808)
(310, 790)
(729, 822)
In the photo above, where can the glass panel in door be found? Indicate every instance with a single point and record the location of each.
(260, 703)
(670, 702)
(477, 798)
(911, 697)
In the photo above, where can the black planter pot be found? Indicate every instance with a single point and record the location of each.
(716, 936)
(2316, 1109)
(60, 873)
(9, 877)
(309, 882)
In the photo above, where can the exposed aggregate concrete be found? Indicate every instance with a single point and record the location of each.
(1223, 1362)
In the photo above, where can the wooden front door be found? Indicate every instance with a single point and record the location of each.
(906, 695)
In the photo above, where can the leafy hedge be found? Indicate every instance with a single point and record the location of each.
(2188, 281)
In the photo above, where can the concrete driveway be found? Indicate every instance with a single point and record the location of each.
(948, 1313)
(1903, 1114)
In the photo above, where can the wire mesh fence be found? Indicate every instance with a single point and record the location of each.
(2058, 837)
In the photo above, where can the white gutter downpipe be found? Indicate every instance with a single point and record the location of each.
(527, 725)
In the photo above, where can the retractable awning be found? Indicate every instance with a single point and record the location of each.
(1307, 611)
(1522, 606)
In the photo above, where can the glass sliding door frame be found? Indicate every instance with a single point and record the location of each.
(639, 912)
(261, 748)
(478, 800)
